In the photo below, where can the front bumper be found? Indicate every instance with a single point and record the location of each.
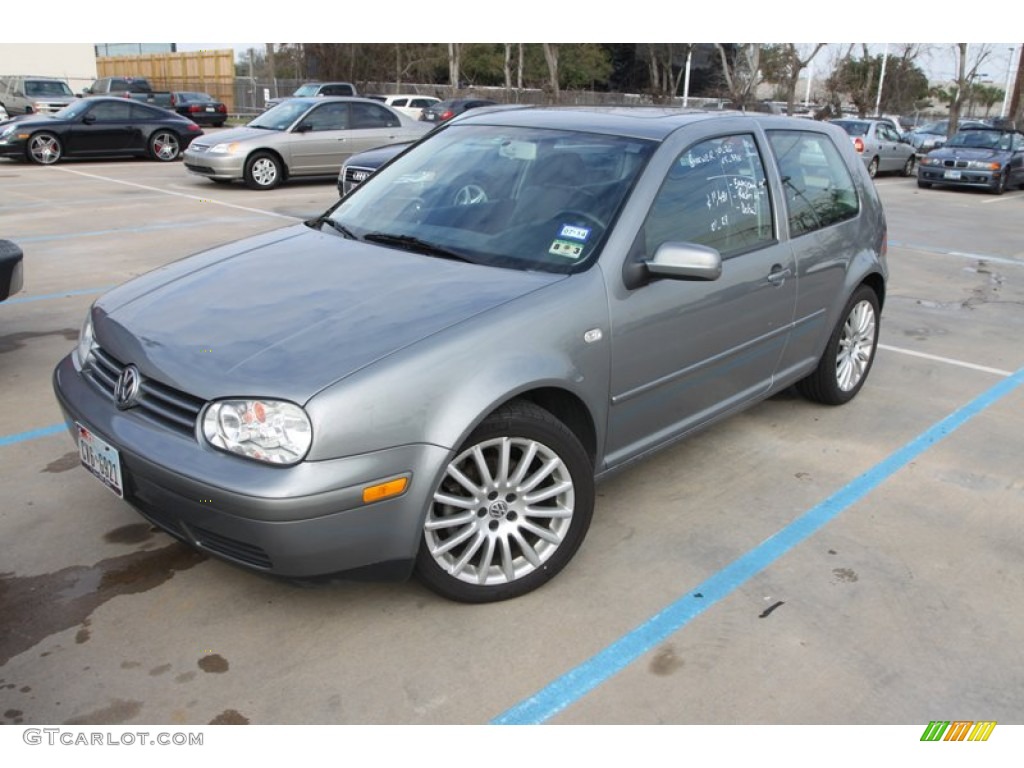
(301, 521)
(214, 166)
(13, 147)
(966, 177)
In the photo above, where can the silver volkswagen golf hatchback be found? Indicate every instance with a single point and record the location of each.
(430, 377)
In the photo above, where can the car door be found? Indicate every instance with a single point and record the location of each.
(106, 128)
(318, 143)
(891, 158)
(371, 126)
(684, 351)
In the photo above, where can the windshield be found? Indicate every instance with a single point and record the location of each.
(279, 118)
(522, 198)
(47, 88)
(980, 139)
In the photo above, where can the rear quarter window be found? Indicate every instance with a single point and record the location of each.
(818, 184)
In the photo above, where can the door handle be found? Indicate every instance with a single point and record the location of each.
(778, 275)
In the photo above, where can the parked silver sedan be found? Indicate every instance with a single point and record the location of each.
(299, 137)
(881, 148)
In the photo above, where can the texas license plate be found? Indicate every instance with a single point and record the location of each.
(101, 459)
(951, 175)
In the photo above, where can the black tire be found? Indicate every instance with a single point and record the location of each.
(846, 362)
(44, 148)
(924, 184)
(482, 545)
(910, 167)
(873, 167)
(263, 171)
(1000, 186)
(164, 146)
(219, 124)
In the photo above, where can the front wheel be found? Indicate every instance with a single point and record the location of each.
(164, 146)
(846, 361)
(1000, 186)
(44, 148)
(924, 184)
(510, 510)
(263, 171)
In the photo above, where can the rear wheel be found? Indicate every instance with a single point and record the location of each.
(44, 148)
(164, 146)
(511, 509)
(873, 167)
(910, 166)
(846, 361)
(263, 171)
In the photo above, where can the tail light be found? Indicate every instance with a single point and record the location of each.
(858, 144)
(446, 115)
(174, 100)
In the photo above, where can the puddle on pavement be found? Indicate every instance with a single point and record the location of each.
(35, 607)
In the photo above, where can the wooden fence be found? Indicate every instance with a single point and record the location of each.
(212, 72)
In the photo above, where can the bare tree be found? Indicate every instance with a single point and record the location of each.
(965, 76)
(454, 53)
(551, 57)
(664, 73)
(743, 73)
(783, 64)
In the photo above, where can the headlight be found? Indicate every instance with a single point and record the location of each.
(228, 148)
(8, 131)
(983, 166)
(86, 342)
(265, 430)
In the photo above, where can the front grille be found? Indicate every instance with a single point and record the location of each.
(160, 403)
(200, 168)
(354, 176)
(955, 163)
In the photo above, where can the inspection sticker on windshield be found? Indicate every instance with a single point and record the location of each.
(576, 233)
(566, 248)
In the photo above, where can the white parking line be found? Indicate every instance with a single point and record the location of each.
(180, 194)
(950, 361)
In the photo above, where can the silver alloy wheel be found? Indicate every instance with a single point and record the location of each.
(502, 510)
(856, 346)
(44, 149)
(264, 172)
(165, 146)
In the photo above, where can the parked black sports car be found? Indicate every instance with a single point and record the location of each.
(99, 127)
(201, 108)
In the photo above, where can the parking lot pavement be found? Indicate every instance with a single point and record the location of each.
(890, 602)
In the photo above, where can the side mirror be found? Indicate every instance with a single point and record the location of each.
(89, 119)
(303, 128)
(685, 261)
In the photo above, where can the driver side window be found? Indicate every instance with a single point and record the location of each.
(715, 194)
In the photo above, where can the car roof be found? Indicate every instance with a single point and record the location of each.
(655, 123)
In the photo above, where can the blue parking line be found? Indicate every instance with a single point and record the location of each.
(579, 681)
(32, 434)
(61, 295)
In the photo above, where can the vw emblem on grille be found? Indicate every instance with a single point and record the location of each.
(360, 175)
(127, 387)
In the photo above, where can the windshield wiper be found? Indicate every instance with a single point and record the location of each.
(416, 245)
(333, 225)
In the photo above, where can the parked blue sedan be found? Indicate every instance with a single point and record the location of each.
(984, 158)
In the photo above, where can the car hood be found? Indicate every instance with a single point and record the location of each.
(287, 313)
(239, 134)
(979, 154)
